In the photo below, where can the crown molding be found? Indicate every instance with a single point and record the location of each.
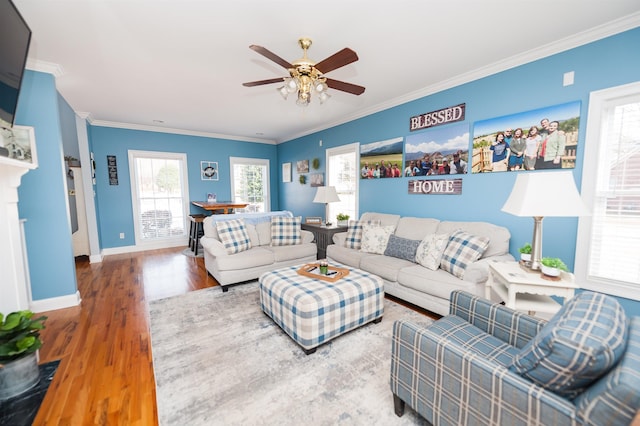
(46, 67)
(129, 126)
(576, 40)
(85, 116)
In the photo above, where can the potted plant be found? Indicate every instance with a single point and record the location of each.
(343, 219)
(525, 252)
(552, 266)
(19, 341)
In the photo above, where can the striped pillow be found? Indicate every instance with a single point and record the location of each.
(285, 231)
(462, 250)
(582, 341)
(354, 233)
(233, 235)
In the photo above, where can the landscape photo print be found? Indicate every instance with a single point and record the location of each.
(381, 159)
(437, 151)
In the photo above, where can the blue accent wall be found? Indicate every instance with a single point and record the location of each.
(114, 204)
(42, 193)
(602, 64)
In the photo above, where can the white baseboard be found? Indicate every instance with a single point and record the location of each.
(95, 258)
(153, 246)
(54, 303)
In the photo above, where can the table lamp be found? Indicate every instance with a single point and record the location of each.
(541, 194)
(326, 195)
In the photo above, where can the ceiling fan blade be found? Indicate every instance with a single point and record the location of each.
(270, 55)
(345, 87)
(261, 82)
(337, 60)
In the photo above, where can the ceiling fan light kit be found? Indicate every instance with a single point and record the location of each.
(307, 77)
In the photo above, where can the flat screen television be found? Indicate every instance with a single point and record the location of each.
(14, 47)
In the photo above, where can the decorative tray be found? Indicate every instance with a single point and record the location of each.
(312, 270)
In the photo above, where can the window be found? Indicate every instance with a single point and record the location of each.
(342, 173)
(158, 188)
(250, 183)
(606, 254)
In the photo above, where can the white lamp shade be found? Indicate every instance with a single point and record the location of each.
(545, 194)
(326, 194)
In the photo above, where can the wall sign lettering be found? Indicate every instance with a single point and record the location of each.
(112, 166)
(437, 118)
(436, 186)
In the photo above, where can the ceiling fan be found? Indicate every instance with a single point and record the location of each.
(307, 76)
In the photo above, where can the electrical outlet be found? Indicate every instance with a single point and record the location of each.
(122, 235)
(567, 78)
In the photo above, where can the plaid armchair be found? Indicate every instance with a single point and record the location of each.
(485, 364)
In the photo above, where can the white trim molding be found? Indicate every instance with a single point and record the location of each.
(597, 103)
(54, 303)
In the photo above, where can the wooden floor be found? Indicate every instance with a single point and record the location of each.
(105, 375)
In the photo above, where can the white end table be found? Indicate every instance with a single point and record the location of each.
(525, 290)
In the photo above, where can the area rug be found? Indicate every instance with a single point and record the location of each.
(189, 253)
(219, 360)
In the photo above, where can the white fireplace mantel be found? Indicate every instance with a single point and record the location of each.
(13, 285)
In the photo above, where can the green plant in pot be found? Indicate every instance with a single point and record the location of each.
(525, 252)
(19, 341)
(552, 266)
(342, 218)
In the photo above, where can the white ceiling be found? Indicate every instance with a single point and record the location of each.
(131, 62)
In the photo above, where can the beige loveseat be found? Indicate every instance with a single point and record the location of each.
(262, 257)
(410, 281)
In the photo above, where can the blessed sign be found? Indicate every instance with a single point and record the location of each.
(436, 186)
(436, 118)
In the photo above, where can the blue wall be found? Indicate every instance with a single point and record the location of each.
(114, 202)
(42, 194)
(606, 63)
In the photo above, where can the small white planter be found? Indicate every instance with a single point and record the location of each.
(526, 257)
(343, 222)
(552, 272)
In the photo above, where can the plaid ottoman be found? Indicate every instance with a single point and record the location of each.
(313, 311)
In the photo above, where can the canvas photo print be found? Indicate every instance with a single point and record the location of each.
(541, 139)
(381, 159)
(438, 151)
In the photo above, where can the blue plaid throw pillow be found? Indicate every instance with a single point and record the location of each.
(582, 341)
(354, 233)
(462, 250)
(233, 235)
(285, 231)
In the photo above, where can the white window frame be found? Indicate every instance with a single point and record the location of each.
(252, 161)
(345, 149)
(168, 241)
(599, 101)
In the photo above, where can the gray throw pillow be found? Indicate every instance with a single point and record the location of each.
(402, 248)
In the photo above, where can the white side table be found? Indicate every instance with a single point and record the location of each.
(527, 291)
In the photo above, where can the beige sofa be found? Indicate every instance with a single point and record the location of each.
(413, 282)
(262, 257)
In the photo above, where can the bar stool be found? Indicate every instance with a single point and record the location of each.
(196, 231)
